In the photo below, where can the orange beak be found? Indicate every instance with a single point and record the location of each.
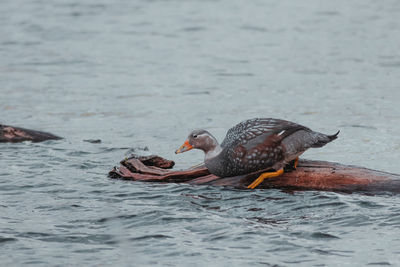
(185, 147)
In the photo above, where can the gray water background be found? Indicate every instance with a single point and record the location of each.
(142, 74)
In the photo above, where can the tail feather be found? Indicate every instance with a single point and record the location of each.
(323, 139)
(333, 136)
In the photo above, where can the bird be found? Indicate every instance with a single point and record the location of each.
(263, 145)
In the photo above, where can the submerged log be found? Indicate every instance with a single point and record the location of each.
(309, 175)
(16, 134)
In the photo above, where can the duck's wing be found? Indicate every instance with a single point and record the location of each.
(256, 144)
(250, 130)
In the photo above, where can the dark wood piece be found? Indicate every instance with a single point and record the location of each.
(16, 134)
(309, 175)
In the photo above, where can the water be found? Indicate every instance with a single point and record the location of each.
(139, 74)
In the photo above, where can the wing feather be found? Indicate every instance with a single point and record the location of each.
(247, 130)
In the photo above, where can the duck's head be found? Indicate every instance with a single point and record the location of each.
(199, 139)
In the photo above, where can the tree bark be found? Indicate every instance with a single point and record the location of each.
(309, 175)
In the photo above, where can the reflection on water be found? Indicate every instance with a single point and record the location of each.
(139, 75)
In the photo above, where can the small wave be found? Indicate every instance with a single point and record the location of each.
(7, 239)
(145, 237)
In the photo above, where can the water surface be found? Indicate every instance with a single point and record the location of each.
(139, 75)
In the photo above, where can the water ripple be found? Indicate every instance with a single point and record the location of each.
(138, 75)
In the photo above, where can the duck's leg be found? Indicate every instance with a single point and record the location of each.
(296, 162)
(263, 176)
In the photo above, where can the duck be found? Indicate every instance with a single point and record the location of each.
(262, 145)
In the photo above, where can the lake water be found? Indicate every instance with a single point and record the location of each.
(139, 75)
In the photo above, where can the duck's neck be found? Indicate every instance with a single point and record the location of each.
(213, 152)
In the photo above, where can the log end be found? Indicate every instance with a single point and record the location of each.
(12, 134)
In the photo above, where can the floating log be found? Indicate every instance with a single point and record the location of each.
(309, 175)
(16, 134)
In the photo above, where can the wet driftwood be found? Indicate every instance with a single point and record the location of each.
(16, 134)
(309, 175)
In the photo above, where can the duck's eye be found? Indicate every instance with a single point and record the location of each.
(195, 136)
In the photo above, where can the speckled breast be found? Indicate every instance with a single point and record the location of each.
(239, 160)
